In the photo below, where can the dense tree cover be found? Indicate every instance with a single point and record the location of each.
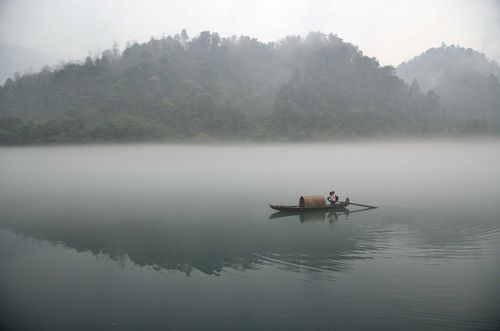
(212, 88)
(466, 81)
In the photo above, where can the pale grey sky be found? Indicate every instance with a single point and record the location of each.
(390, 30)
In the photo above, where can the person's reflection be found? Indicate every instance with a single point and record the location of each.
(332, 218)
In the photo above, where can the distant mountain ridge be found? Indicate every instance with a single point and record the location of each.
(435, 62)
(15, 58)
(466, 80)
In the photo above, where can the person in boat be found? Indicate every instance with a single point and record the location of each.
(332, 197)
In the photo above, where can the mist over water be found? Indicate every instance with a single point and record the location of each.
(181, 237)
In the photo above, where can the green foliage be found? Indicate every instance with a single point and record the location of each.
(212, 88)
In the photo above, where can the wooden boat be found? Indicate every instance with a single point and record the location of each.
(310, 208)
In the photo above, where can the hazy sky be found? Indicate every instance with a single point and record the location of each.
(391, 30)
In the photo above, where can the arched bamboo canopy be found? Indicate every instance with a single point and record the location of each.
(312, 201)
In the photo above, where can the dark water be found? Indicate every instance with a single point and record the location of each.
(157, 237)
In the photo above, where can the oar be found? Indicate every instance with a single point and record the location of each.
(358, 204)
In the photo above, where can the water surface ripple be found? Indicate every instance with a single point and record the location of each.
(181, 237)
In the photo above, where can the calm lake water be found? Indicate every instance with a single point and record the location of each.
(172, 237)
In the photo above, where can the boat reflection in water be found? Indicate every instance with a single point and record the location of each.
(311, 216)
(208, 244)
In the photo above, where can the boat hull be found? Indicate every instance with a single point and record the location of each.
(298, 209)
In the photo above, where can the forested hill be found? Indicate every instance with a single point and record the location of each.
(182, 89)
(466, 81)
